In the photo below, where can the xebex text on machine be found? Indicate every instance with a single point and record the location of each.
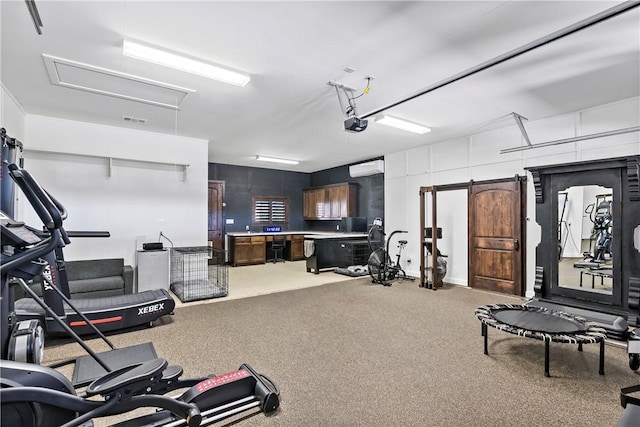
(143, 311)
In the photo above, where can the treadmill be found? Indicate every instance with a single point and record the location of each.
(107, 314)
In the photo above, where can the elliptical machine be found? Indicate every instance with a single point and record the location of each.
(602, 223)
(601, 240)
(33, 395)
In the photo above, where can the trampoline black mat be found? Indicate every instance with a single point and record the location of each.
(540, 320)
(540, 323)
(87, 369)
(616, 326)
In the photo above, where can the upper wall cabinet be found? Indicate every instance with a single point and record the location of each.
(329, 202)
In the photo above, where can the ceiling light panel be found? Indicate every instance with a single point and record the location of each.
(102, 81)
(402, 124)
(181, 62)
(276, 160)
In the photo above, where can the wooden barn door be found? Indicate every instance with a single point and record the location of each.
(216, 226)
(496, 236)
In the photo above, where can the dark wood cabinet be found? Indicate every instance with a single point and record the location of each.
(297, 247)
(331, 202)
(247, 250)
(315, 203)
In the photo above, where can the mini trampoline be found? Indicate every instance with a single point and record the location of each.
(542, 324)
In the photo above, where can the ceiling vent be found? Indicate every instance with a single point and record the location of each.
(89, 78)
(366, 169)
(130, 119)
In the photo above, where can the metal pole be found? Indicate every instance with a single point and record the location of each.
(580, 25)
(518, 118)
(573, 139)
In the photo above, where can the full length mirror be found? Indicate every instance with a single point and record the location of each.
(585, 237)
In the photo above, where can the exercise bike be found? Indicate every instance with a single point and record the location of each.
(381, 268)
(33, 395)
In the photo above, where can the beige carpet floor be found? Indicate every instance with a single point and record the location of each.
(262, 279)
(355, 354)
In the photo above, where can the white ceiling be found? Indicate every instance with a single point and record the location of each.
(292, 49)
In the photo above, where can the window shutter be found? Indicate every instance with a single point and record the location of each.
(261, 214)
(278, 211)
(270, 210)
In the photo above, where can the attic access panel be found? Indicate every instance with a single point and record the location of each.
(102, 81)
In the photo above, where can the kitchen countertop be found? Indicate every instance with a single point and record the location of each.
(330, 235)
(314, 235)
(263, 233)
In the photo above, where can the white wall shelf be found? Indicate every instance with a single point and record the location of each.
(111, 159)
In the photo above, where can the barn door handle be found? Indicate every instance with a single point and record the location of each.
(516, 244)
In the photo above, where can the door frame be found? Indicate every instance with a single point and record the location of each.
(433, 190)
(222, 217)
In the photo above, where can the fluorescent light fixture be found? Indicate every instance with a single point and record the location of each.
(402, 124)
(183, 63)
(275, 160)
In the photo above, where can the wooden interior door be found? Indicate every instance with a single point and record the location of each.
(216, 226)
(496, 236)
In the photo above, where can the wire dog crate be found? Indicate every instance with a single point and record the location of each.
(199, 272)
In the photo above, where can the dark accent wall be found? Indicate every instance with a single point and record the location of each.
(243, 182)
(370, 194)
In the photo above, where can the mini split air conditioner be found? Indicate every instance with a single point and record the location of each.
(366, 169)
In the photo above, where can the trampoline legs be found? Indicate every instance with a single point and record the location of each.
(484, 334)
(546, 358)
(547, 342)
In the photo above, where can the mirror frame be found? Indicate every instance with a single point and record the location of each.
(583, 179)
(622, 175)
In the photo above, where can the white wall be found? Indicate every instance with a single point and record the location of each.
(572, 227)
(128, 182)
(12, 116)
(478, 157)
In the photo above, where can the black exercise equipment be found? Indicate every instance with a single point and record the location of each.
(542, 324)
(381, 268)
(631, 415)
(615, 326)
(106, 314)
(601, 239)
(10, 151)
(602, 223)
(36, 395)
(633, 349)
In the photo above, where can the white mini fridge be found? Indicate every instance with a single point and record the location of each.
(152, 270)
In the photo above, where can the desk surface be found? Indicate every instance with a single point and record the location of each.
(336, 236)
(311, 235)
(263, 233)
